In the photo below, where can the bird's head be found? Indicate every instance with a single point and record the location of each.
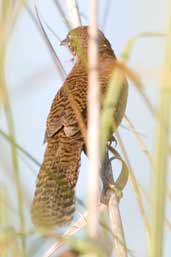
(77, 42)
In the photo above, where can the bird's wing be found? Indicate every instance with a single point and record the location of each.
(62, 114)
(56, 115)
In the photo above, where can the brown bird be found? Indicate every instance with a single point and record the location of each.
(54, 202)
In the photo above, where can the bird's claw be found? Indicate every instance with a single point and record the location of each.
(116, 189)
(105, 196)
(111, 140)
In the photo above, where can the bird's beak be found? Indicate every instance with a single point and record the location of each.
(64, 42)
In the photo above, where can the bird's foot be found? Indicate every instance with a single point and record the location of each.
(105, 196)
(111, 140)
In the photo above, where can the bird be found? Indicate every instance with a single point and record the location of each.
(53, 204)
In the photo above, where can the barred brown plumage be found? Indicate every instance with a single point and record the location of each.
(53, 203)
(54, 198)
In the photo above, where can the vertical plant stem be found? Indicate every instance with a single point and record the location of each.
(3, 212)
(14, 154)
(93, 124)
(119, 243)
(161, 151)
(73, 11)
(116, 226)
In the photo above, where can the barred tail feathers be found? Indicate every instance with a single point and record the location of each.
(54, 203)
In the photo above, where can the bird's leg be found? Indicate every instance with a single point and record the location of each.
(112, 139)
(108, 180)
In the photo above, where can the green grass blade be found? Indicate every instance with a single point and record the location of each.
(161, 152)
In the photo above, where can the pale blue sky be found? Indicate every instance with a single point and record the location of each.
(33, 82)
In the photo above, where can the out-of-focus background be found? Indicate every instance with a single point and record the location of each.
(33, 80)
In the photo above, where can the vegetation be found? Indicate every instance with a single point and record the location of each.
(17, 236)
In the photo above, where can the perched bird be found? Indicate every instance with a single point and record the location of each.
(54, 203)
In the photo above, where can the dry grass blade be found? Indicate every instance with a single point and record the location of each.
(67, 23)
(162, 150)
(106, 13)
(135, 189)
(10, 13)
(132, 41)
(135, 78)
(149, 201)
(34, 20)
(73, 229)
(74, 16)
(52, 31)
(21, 149)
(8, 24)
(51, 49)
(120, 249)
(112, 197)
(142, 147)
(139, 141)
(3, 210)
(3, 220)
(123, 176)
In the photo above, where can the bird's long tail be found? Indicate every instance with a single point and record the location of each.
(54, 203)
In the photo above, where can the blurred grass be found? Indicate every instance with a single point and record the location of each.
(161, 164)
(136, 189)
(21, 149)
(9, 14)
(112, 94)
(155, 227)
(155, 231)
(3, 213)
